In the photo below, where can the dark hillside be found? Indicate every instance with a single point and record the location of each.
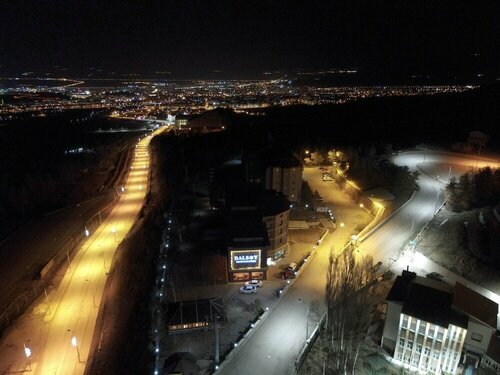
(402, 121)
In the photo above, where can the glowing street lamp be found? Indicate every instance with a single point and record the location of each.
(27, 353)
(113, 230)
(354, 241)
(74, 342)
(87, 233)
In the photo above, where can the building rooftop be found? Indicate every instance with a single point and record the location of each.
(475, 305)
(426, 299)
(276, 156)
(433, 306)
(269, 202)
(196, 311)
(246, 229)
(378, 195)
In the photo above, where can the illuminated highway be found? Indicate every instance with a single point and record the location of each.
(60, 338)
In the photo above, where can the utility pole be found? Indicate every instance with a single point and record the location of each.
(216, 344)
(436, 205)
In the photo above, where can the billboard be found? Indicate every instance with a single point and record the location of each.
(245, 259)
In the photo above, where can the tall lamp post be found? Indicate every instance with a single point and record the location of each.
(354, 241)
(74, 342)
(27, 353)
(113, 230)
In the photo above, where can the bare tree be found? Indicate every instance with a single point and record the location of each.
(349, 308)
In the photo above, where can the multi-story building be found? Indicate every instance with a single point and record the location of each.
(275, 168)
(216, 119)
(181, 121)
(247, 246)
(272, 206)
(491, 359)
(434, 328)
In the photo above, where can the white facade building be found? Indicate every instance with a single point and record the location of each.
(434, 328)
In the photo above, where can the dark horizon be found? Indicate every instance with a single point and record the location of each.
(447, 41)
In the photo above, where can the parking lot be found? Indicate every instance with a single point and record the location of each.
(241, 308)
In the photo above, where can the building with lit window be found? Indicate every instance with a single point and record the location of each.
(195, 315)
(491, 359)
(434, 328)
(181, 121)
(274, 209)
(275, 168)
(248, 244)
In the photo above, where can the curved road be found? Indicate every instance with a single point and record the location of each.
(277, 342)
(73, 306)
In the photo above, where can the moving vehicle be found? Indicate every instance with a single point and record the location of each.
(248, 289)
(256, 283)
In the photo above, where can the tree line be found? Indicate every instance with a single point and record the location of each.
(474, 190)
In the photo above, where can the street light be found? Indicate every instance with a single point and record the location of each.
(87, 233)
(27, 353)
(113, 230)
(74, 342)
(354, 240)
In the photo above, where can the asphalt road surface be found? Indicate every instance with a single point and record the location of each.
(26, 250)
(60, 336)
(278, 341)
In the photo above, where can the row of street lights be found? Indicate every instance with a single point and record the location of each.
(28, 353)
(161, 283)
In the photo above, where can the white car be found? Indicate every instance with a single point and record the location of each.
(256, 283)
(247, 289)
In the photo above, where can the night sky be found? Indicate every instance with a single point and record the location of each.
(196, 38)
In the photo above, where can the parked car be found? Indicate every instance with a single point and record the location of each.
(288, 274)
(257, 283)
(292, 267)
(248, 289)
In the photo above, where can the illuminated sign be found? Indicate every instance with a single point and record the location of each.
(245, 259)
